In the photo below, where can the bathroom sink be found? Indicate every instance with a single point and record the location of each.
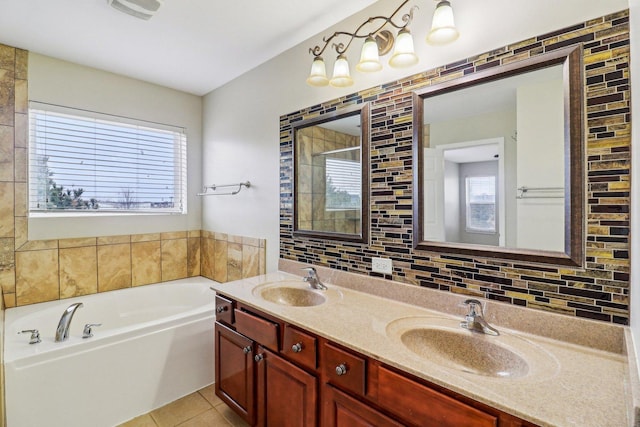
(443, 342)
(468, 351)
(294, 294)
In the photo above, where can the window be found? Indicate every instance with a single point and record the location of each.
(481, 204)
(91, 163)
(343, 186)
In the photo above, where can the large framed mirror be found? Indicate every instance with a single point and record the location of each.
(331, 175)
(500, 162)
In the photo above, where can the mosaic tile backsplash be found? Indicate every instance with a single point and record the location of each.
(598, 291)
(45, 270)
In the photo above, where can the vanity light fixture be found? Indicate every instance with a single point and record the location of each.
(443, 28)
(378, 42)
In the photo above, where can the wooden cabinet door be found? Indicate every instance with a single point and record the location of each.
(287, 396)
(342, 410)
(234, 371)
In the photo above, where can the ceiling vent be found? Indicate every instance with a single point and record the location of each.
(143, 9)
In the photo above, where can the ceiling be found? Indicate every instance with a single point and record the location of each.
(190, 45)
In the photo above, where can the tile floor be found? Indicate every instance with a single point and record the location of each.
(199, 409)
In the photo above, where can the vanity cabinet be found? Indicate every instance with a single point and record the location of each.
(253, 376)
(234, 371)
(276, 374)
(286, 394)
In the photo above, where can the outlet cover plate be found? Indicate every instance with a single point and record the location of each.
(382, 265)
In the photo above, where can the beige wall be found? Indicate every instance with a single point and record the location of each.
(115, 255)
(71, 85)
(240, 125)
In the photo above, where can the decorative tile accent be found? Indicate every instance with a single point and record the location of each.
(114, 267)
(37, 276)
(6, 209)
(78, 267)
(193, 255)
(220, 259)
(146, 262)
(174, 259)
(600, 291)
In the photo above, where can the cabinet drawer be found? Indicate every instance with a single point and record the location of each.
(257, 328)
(344, 369)
(299, 346)
(224, 310)
(413, 401)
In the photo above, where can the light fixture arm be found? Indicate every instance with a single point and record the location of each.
(341, 48)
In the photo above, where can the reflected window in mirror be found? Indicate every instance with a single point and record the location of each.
(500, 162)
(331, 173)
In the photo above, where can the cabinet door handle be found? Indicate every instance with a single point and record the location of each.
(258, 357)
(296, 348)
(341, 369)
(247, 349)
(221, 308)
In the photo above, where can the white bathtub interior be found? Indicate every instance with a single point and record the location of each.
(155, 345)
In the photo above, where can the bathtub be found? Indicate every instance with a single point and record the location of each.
(155, 345)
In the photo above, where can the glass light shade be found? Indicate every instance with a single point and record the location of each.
(403, 53)
(318, 74)
(443, 28)
(341, 75)
(369, 58)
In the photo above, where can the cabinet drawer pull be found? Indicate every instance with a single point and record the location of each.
(247, 349)
(296, 348)
(341, 369)
(258, 357)
(221, 309)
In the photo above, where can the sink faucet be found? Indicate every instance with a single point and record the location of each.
(474, 320)
(62, 333)
(312, 279)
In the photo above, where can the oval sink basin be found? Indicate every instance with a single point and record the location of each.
(441, 341)
(294, 294)
(470, 353)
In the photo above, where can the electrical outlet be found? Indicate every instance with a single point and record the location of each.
(382, 265)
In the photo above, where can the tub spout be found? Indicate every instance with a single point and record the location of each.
(62, 333)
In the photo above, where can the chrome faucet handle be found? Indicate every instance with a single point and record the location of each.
(35, 335)
(313, 279)
(475, 307)
(87, 332)
(311, 271)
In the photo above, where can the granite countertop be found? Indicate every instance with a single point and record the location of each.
(583, 382)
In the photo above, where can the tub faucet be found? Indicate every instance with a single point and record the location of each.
(62, 333)
(474, 320)
(312, 279)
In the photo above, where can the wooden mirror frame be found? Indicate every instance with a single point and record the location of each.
(574, 160)
(363, 110)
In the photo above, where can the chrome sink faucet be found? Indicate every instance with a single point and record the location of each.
(474, 320)
(62, 332)
(312, 279)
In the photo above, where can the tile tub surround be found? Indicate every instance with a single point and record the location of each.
(599, 291)
(587, 387)
(91, 265)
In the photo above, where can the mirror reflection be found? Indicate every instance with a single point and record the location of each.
(330, 176)
(500, 162)
(494, 163)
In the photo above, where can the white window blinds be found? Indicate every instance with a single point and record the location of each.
(344, 183)
(89, 162)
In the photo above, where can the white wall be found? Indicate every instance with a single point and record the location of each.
(59, 82)
(241, 119)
